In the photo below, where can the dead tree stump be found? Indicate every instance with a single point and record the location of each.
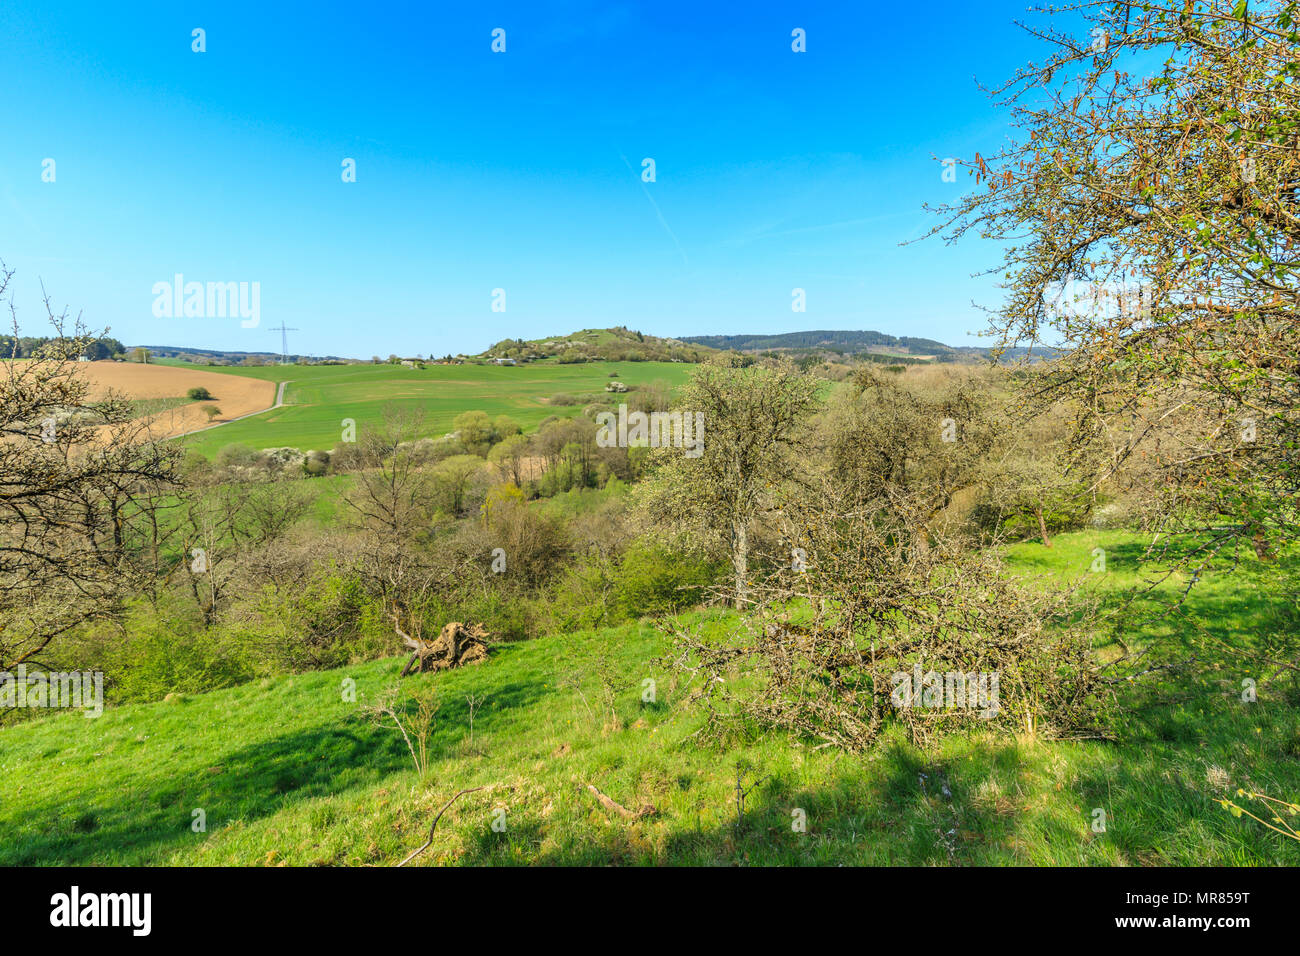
(456, 646)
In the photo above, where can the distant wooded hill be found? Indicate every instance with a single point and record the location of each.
(223, 357)
(850, 342)
(619, 344)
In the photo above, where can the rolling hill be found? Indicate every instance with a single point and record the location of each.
(288, 771)
(855, 343)
(619, 344)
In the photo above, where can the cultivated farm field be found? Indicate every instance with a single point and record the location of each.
(159, 392)
(319, 397)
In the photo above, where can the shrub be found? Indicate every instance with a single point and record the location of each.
(505, 426)
(348, 456)
(535, 543)
(159, 655)
(239, 456)
(194, 467)
(454, 479)
(316, 464)
(583, 598)
(327, 622)
(198, 394)
(653, 579)
(475, 432)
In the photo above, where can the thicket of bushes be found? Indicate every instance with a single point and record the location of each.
(276, 600)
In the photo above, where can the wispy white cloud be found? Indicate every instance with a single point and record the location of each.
(773, 232)
(658, 212)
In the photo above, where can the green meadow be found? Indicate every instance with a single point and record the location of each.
(319, 397)
(288, 772)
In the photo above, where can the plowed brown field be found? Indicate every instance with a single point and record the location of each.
(233, 394)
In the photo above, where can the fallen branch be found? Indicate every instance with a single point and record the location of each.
(434, 825)
(618, 808)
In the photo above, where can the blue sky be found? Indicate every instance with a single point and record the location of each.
(475, 170)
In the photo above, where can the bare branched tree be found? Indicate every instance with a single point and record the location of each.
(1149, 216)
(80, 483)
(391, 495)
(751, 425)
(881, 590)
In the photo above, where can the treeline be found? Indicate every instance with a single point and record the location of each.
(843, 341)
(225, 357)
(29, 346)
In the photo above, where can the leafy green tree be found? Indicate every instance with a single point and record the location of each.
(452, 479)
(503, 426)
(511, 455)
(475, 430)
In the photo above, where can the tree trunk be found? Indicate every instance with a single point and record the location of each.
(1042, 526)
(1263, 550)
(740, 559)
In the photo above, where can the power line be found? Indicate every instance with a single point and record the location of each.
(284, 331)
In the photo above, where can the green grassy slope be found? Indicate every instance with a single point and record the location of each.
(319, 397)
(288, 772)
